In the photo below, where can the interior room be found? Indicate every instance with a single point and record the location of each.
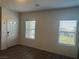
(39, 29)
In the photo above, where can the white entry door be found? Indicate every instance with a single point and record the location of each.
(12, 30)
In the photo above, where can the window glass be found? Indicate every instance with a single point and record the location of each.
(30, 29)
(67, 32)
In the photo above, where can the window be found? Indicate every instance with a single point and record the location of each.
(30, 29)
(67, 32)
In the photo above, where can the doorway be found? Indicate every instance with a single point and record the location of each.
(11, 30)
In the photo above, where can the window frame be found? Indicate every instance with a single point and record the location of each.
(25, 30)
(75, 33)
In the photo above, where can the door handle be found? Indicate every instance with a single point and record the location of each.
(7, 32)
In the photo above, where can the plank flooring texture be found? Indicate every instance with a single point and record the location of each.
(23, 52)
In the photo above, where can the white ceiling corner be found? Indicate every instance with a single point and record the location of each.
(29, 5)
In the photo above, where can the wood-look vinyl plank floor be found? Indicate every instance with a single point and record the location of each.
(23, 52)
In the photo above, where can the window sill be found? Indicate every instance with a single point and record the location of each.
(30, 38)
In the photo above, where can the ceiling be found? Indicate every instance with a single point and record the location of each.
(34, 5)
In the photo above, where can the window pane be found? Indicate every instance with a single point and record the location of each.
(32, 24)
(30, 29)
(67, 32)
(32, 34)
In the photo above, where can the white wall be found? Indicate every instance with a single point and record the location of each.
(0, 27)
(47, 30)
(6, 15)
